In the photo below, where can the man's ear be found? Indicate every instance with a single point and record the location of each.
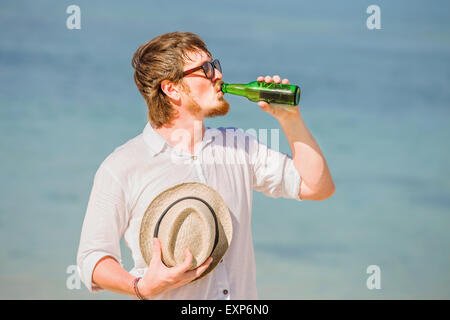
(170, 89)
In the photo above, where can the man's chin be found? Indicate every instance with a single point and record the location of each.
(221, 110)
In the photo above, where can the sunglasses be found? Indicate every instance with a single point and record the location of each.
(208, 67)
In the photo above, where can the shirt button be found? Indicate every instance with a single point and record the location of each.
(225, 291)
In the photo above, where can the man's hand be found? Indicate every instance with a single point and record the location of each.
(316, 181)
(159, 278)
(279, 111)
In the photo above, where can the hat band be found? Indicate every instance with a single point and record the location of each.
(216, 239)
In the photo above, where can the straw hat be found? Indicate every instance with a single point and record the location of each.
(189, 215)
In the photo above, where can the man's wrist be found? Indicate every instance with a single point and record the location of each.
(137, 290)
(290, 119)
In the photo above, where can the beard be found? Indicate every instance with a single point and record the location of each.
(219, 110)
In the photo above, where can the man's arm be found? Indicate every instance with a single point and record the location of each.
(108, 274)
(316, 182)
(99, 250)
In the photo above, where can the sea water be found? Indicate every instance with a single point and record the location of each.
(377, 102)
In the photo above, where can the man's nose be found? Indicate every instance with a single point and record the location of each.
(217, 75)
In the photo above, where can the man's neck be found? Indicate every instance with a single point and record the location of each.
(183, 134)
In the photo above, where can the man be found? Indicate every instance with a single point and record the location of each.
(180, 82)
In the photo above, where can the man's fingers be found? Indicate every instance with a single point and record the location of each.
(275, 78)
(199, 270)
(202, 268)
(156, 250)
(187, 263)
(264, 105)
(188, 276)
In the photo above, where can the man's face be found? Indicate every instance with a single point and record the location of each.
(203, 96)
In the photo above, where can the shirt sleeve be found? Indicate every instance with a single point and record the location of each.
(104, 224)
(274, 173)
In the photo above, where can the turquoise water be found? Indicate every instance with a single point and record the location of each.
(377, 101)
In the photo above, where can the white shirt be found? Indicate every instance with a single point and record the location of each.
(230, 161)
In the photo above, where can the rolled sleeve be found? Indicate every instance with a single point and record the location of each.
(86, 268)
(104, 224)
(274, 172)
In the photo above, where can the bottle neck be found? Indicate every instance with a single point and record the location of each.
(235, 88)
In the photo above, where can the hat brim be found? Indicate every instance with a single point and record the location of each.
(165, 198)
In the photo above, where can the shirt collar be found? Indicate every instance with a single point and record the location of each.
(156, 143)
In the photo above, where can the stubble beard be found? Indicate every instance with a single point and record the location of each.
(195, 109)
(222, 109)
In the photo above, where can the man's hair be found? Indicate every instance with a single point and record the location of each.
(163, 58)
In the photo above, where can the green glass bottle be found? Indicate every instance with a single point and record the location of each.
(275, 93)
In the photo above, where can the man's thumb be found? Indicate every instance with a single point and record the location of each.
(156, 254)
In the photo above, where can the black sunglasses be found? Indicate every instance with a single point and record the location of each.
(208, 67)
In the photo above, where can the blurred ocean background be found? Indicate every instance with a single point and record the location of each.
(377, 101)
